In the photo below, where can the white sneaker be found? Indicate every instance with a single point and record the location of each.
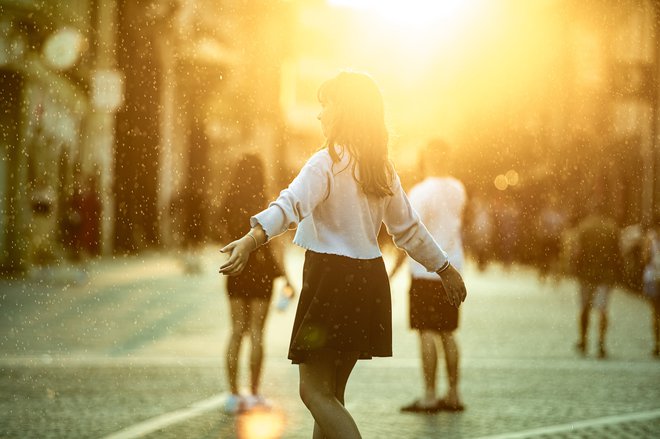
(234, 404)
(256, 401)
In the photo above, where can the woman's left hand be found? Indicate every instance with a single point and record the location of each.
(239, 253)
(454, 286)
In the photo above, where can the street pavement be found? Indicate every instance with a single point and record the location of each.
(133, 347)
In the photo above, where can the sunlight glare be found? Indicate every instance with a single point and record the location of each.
(260, 424)
(445, 16)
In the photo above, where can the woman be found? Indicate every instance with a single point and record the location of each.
(338, 202)
(249, 293)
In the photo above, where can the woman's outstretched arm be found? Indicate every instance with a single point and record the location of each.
(239, 251)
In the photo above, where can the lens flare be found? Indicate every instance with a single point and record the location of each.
(260, 424)
(500, 182)
(512, 177)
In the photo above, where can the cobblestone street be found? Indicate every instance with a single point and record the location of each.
(136, 350)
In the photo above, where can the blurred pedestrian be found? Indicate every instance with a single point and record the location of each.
(71, 223)
(90, 210)
(507, 217)
(479, 239)
(551, 222)
(597, 265)
(440, 202)
(187, 225)
(250, 292)
(338, 202)
(634, 241)
(652, 282)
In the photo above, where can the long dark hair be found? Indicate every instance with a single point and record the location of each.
(359, 128)
(246, 196)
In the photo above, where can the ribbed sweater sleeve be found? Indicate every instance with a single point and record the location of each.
(409, 233)
(297, 201)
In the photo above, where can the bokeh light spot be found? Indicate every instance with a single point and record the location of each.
(260, 424)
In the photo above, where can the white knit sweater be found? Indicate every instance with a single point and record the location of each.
(334, 216)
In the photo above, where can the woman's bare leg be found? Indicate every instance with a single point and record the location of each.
(258, 312)
(344, 369)
(318, 391)
(239, 325)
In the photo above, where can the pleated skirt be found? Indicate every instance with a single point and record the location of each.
(345, 306)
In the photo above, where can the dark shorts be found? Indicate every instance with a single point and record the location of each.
(345, 307)
(429, 308)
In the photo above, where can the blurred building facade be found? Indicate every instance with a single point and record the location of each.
(115, 110)
(150, 103)
(59, 92)
(616, 67)
(635, 128)
(611, 108)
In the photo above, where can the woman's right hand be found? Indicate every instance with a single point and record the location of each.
(239, 253)
(454, 286)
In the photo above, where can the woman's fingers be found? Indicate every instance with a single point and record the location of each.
(237, 269)
(454, 293)
(231, 270)
(454, 286)
(459, 294)
(229, 264)
(236, 262)
(228, 247)
(453, 299)
(231, 267)
(226, 267)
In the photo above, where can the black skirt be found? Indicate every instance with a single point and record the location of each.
(429, 307)
(344, 306)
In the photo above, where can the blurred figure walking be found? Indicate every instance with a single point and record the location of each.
(651, 256)
(440, 201)
(479, 239)
(597, 264)
(186, 211)
(250, 292)
(551, 222)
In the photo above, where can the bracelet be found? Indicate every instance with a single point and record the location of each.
(256, 245)
(443, 268)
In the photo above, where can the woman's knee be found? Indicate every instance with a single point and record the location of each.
(238, 332)
(307, 394)
(312, 394)
(256, 336)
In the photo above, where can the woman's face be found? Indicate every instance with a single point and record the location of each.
(326, 117)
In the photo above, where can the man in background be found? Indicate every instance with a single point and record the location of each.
(440, 200)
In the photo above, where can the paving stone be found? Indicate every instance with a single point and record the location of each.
(139, 339)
